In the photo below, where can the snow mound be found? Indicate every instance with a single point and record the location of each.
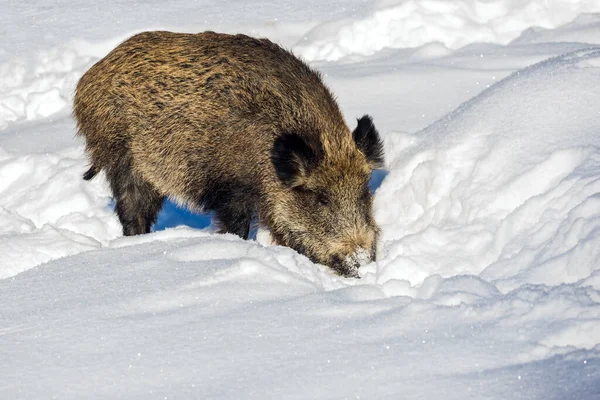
(35, 93)
(583, 29)
(35, 89)
(506, 187)
(41, 223)
(152, 312)
(455, 23)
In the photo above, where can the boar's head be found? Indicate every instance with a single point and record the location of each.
(324, 207)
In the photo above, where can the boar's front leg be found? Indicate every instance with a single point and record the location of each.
(233, 203)
(234, 220)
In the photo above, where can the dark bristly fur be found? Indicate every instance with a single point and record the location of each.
(293, 158)
(90, 173)
(235, 125)
(367, 139)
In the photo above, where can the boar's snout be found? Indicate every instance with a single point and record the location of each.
(348, 265)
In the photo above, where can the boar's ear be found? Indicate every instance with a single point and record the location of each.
(294, 159)
(368, 141)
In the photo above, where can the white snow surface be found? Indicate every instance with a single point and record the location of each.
(454, 23)
(487, 283)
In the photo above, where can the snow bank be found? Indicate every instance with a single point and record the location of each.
(34, 93)
(181, 313)
(583, 29)
(48, 211)
(505, 187)
(413, 23)
(37, 88)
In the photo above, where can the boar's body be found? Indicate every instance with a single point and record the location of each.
(235, 125)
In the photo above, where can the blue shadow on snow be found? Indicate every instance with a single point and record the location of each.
(377, 177)
(172, 215)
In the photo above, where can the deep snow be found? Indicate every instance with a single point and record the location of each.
(488, 278)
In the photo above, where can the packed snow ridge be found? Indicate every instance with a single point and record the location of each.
(505, 187)
(453, 23)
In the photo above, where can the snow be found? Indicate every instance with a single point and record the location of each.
(505, 185)
(454, 23)
(487, 283)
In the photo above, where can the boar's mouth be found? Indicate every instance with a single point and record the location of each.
(347, 268)
(335, 262)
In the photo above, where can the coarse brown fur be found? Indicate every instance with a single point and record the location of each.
(235, 125)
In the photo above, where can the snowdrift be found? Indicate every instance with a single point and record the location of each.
(452, 23)
(505, 187)
(487, 284)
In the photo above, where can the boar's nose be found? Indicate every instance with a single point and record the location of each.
(348, 265)
(342, 267)
(360, 256)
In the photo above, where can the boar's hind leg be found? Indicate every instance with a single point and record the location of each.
(137, 202)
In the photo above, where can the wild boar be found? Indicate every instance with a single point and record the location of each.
(234, 125)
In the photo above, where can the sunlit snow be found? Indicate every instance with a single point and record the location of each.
(487, 282)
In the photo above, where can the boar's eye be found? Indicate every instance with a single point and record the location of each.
(312, 196)
(323, 200)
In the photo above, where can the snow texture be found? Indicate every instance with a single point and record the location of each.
(487, 283)
(453, 23)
